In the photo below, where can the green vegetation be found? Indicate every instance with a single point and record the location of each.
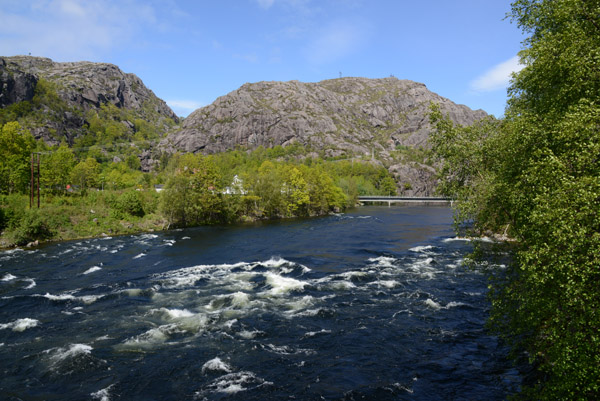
(536, 177)
(99, 189)
(16, 146)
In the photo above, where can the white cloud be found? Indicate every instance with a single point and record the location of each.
(497, 77)
(71, 30)
(335, 42)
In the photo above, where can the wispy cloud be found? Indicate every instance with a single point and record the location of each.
(265, 3)
(336, 41)
(247, 57)
(184, 107)
(71, 29)
(497, 77)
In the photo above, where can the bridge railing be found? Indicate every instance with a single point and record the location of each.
(404, 198)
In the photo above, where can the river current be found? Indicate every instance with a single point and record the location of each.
(373, 304)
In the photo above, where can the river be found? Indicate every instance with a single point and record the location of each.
(373, 304)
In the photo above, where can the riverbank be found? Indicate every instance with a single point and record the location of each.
(96, 215)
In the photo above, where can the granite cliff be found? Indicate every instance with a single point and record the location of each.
(80, 87)
(382, 120)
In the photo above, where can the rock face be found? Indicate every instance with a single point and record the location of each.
(346, 117)
(83, 86)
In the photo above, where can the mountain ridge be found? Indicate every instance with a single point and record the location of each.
(82, 86)
(382, 119)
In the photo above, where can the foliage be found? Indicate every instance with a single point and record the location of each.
(16, 145)
(85, 173)
(129, 203)
(57, 167)
(192, 195)
(32, 226)
(536, 176)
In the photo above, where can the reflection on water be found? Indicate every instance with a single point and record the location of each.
(367, 305)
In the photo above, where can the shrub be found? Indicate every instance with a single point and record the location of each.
(33, 226)
(130, 202)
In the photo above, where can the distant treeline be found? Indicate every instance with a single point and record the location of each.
(234, 186)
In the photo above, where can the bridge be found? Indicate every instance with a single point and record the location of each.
(423, 200)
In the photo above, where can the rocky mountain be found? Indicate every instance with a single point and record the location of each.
(383, 120)
(80, 87)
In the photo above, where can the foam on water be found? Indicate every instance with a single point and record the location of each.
(173, 313)
(299, 304)
(102, 395)
(233, 383)
(216, 365)
(32, 283)
(141, 255)
(278, 262)
(288, 350)
(383, 261)
(8, 277)
(432, 304)
(249, 335)
(92, 269)
(240, 299)
(61, 354)
(421, 249)
(151, 337)
(464, 239)
(314, 333)
(20, 324)
(388, 283)
(281, 285)
(342, 285)
(86, 299)
(435, 305)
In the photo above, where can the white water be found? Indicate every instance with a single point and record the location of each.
(20, 324)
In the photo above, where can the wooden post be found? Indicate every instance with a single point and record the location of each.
(38, 179)
(31, 185)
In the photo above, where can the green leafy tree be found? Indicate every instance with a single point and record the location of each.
(86, 174)
(16, 145)
(192, 195)
(57, 168)
(536, 176)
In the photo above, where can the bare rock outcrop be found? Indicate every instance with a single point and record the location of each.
(346, 117)
(82, 86)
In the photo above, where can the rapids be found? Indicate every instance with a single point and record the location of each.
(373, 304)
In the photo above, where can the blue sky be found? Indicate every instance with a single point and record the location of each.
(191, 52)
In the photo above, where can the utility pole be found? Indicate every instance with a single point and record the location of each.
(38, 178)
(34, 181)
(31, 185)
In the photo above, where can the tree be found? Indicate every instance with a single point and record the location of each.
(57, 168)
(192, 195)
(16, 145)
(85, 173)
(537, 175)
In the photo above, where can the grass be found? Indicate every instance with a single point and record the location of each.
(73, 217)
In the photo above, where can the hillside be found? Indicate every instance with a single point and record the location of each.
(380, 119)
(57, 101)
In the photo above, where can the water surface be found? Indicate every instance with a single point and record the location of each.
(372, 304)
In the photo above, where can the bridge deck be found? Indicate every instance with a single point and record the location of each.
(405, 199)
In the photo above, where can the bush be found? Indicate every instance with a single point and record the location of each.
(33, 226)
(130, 203)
